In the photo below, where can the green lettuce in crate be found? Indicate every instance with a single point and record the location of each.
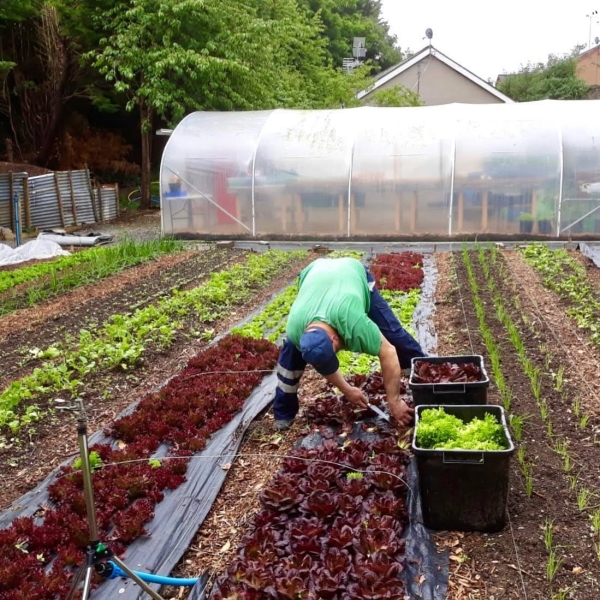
(438, 430)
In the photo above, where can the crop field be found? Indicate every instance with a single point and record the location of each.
(172, 349)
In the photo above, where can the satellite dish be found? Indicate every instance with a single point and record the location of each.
(429, 33)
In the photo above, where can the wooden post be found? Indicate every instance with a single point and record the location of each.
(118, 200)
(11, 203)
(298, 213)
(9, 150)
(73, 201)
(341, 213)
(484, 211)
(534, 200)
(461, 209)
(413, 211)
(27, 203)
(91, 191)
(59, 200)
(100, 205)
(283, 208)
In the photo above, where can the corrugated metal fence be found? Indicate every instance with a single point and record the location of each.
(11, 184)
(59, 199)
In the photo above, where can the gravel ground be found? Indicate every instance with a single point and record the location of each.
(141, 225)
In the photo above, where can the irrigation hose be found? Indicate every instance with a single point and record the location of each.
(112, 571)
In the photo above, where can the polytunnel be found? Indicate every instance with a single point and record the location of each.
(452, 170)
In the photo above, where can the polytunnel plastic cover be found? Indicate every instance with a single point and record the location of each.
(498, 169)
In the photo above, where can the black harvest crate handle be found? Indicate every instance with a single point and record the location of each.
(463, 458)
(449, 388)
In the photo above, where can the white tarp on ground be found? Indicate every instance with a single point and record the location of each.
(34, 250)
(68, 239)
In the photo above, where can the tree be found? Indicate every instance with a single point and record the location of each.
(398, 95)
(556, 80)
(171, 56)
(17, 10)
(37, 82)
(343, 21)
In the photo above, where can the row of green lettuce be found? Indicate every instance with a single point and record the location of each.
(566, 277)
(121, 342)
(48, 279)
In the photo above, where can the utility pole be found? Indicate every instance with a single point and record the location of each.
(590, 17)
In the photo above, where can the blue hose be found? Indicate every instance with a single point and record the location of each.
(149, 577)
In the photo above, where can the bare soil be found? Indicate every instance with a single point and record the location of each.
(51, 322)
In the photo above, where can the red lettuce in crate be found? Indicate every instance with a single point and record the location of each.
(446, 372)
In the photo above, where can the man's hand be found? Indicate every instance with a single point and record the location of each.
(354, 395)
(401, 412)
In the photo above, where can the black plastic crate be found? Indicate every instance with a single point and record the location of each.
(450, 393)
(464, 490)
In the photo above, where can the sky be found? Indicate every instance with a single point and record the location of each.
(489, 38)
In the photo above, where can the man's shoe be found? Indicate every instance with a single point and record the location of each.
(283, 424)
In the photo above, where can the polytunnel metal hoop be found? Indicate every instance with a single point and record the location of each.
(452, 168)
(255, 153)
(561, 159)
(350, 171)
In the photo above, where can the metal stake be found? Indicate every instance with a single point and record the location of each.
(97, 553)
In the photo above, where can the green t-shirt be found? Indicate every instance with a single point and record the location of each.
(335, 291)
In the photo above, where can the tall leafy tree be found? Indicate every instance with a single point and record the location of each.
(355, 18)
(172, 56)
(556, 79)
(38, 80)
(17, 10)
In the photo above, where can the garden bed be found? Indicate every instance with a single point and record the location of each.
(543, 369)
(549, 549)
(26, 458)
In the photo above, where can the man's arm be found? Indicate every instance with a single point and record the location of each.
(390, 369)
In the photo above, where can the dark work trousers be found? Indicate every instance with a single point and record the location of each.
(291, 365)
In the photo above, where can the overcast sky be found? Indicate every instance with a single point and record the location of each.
(490, 38)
